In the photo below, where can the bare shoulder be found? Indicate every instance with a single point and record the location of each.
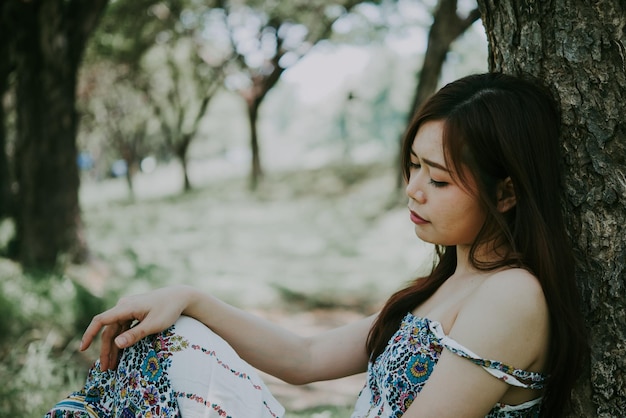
(506, 318)
(514, 295)
(514, 288)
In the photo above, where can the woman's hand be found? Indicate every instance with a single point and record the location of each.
(155, 311)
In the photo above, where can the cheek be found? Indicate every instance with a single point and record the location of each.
(468, 212)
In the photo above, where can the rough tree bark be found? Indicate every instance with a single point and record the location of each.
(578, 48)
(6, 67)
(50, 37)
(6, 198)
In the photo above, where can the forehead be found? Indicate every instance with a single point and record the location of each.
(428, 142)
(428, 147)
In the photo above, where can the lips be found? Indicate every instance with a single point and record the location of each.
(416, 219)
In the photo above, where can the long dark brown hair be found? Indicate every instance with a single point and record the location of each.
(498, 126)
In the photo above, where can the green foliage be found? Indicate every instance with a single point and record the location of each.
(86, 306)
(130, 28)
(8, 328)
(42, 317)
(176, 54)
(37, 370)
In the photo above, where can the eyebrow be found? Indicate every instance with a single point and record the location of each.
(431, 163)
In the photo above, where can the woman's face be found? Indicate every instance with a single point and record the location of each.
(444, 211)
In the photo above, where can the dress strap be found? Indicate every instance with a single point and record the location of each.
(508, 374)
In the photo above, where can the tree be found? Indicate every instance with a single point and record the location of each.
(118, 113)
(115, 84)
(171, 53)
(130, 28)
(48, 40)
(277, 37)
(194, 73)
(6, 68)
(447, 26)
(578, 48)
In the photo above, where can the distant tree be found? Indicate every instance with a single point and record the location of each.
(268, 39)
(119, 114)
(191, 74)
(48, 38)
(447, 26)
(129, 29)
(578, 48)
(162, 50)
(114, 81)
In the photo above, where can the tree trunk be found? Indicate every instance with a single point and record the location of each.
(129, 177)
(6, 206)
(182, 149)
(256, 171)
(446, 27)
(578, 48)
(50, 38)
(6, 67)
(186, 183)
(261, 85)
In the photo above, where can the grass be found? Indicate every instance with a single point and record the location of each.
(309, 249)
(42, 316)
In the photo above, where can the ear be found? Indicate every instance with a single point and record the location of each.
(505, 195)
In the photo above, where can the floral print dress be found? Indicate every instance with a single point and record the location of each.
(186, 371)
(400, 372)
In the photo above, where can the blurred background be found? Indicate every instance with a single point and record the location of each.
(247, 148)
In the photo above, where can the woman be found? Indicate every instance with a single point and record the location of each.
(493, 331)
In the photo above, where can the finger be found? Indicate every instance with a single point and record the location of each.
(90, 333)
(111, 316)
(104, 357)
(107, 346)
(133, 335)
(114, 355)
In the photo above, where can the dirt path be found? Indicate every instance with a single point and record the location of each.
(340, 392)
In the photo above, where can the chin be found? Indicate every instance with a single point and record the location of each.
(424, 238)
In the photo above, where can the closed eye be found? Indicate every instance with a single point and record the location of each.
(438, 183)
(434, 183)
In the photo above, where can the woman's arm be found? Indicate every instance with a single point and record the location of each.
(336, 353)
(505, 320)
(266, 346)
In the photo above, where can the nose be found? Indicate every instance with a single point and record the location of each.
(414, 190)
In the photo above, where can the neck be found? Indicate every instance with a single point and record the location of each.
(463, 264)
(483, 254)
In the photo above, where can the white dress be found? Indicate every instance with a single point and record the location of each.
(186, 371)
